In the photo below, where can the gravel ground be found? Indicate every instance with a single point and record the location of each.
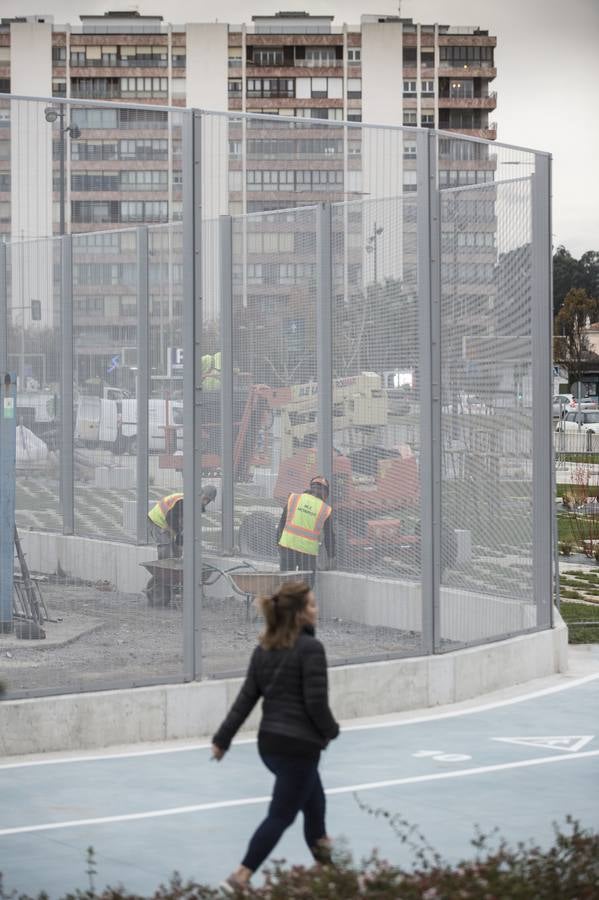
(103, 638)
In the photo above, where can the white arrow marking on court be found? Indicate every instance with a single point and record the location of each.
(571, 742)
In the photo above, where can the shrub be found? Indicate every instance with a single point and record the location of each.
(568, 869)
(565, 548)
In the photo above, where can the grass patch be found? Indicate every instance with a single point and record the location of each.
(581, 458)
(579, 612)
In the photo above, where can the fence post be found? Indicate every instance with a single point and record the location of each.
(3, 311)
(192, 392)
(7, 497)
(429, 335)
(324, 341)
(543, 469)
(67, 374)
(226, 395)
(142, 393)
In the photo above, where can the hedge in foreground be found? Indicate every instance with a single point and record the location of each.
(568, 870)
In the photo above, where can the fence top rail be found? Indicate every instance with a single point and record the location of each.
(230, 114)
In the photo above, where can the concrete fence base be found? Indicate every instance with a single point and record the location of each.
(169, 712)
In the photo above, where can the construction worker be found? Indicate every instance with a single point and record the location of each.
(166, 529)
(305, 518)
(211, 371)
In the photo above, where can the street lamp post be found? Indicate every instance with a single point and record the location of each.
(51, 114)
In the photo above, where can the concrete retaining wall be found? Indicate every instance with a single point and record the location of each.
(465, 615)
(109, 718)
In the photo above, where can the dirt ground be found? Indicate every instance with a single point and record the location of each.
(98, 639)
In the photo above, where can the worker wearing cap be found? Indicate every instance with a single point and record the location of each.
(306, 519)
(166, 529)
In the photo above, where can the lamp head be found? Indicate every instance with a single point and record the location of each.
(51, 114)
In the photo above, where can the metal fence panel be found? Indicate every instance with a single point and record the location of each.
(355, 298)
(487, 402)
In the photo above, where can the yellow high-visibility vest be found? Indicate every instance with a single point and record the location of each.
(306, 516)
(157, 514)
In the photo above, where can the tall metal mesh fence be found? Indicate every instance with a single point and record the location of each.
(486, 377)
(305, 231)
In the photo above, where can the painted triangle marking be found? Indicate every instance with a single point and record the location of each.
(571, 742)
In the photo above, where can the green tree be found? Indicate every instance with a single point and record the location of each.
(571, 346)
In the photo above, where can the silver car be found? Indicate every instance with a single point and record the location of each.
(585, 420)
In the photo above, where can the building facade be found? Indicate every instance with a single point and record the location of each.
(100, 168)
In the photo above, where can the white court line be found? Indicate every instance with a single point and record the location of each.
(249, 801)
(394, 723)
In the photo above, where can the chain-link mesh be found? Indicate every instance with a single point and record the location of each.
(486, 378)
(266, 187)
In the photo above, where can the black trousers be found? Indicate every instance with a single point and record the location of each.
(292, 560)
(297, 788)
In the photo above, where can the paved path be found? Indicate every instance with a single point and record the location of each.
(518, 760)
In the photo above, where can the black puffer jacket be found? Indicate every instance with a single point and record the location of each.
(293, 683)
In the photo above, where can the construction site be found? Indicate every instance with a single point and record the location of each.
(361, 340)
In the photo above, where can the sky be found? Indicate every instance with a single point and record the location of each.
(547, 83)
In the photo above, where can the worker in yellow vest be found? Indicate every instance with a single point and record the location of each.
(305, 519)
(166, 530)
(211, 371)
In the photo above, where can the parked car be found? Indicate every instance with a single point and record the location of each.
(569, 402)
(561, 403)
(583, 420)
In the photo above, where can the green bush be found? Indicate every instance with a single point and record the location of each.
(568, 869)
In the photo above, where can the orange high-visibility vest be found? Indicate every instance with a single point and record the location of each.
(157, 514)
(306, 515)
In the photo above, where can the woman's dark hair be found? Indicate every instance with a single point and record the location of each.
(281, 613)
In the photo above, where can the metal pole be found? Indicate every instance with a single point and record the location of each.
(429, 289)
(62, 168)
(7, 498)
(375, 253)
(543, 475)
(143, 384)
(3, 311)
(226, 329)
(192, 393)
(324, 344)
(67, 491)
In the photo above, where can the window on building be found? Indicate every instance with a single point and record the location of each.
(409, 57)
(428, 119)
(353, 116)
(78, 57)
(270, 87)
(320, 56)
(409, 117)
(319, 88)
(94, 181)
(466, 57)
(59, 87)
(96, 118)
(267, 56)
(409, 88)
(409, 150)
(144, 180)
(354, 88)
(427, 59)
(427, 88)
(179, 87)
(144, 87)
(179, 58)
(464, 87)
(409, 180)
(354, 54)
(59, 56)
(235, 86)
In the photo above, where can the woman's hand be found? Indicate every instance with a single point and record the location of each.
(217, 753)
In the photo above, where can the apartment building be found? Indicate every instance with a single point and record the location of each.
(123, 166)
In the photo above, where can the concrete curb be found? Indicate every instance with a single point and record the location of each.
(169, 712)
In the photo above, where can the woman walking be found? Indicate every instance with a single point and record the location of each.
(288, 669)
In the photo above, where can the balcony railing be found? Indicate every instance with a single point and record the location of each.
(319, 63)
